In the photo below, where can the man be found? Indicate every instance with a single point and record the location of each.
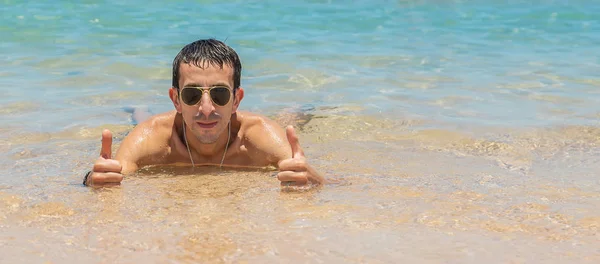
(206, 127)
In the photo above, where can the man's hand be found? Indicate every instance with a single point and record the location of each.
(106, 171)
(296, 171)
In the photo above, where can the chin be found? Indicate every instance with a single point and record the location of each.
(207, 140)
(208, 137)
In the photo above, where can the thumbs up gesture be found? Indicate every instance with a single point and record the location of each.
(106, 171)
(296, 171)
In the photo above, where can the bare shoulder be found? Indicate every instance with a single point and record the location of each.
(264, 135)
(256, 125)
(155, 128)
(148, 140)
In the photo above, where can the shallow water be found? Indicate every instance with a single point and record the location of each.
(456, 132)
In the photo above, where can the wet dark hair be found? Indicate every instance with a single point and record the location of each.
(205, 52)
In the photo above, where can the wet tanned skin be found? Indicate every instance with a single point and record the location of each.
(254, 140)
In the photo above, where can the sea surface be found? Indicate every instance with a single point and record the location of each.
(455, 131)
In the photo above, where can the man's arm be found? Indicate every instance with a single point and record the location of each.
(267, 139)
(134, 152)
(282, 148)
(106, 171)
(146, 144)
(295, 170)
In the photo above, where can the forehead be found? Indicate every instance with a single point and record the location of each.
(208, 75)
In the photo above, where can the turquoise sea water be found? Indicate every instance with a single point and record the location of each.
(465, 131)
(516, 63)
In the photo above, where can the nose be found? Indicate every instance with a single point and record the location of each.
(206, 105)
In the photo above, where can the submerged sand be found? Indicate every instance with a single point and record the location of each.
(405, 190)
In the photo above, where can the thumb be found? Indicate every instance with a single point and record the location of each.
(294, 143)
(106, 151)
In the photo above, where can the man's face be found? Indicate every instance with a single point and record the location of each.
(206, 119)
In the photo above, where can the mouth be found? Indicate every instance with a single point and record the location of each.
(206, 125)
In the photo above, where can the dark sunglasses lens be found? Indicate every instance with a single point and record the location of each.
(191, 96)
(220, 95)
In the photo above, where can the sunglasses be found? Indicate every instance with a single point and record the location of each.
(220, 95)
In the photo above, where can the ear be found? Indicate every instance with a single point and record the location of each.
(174, 95)
(239, 95)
